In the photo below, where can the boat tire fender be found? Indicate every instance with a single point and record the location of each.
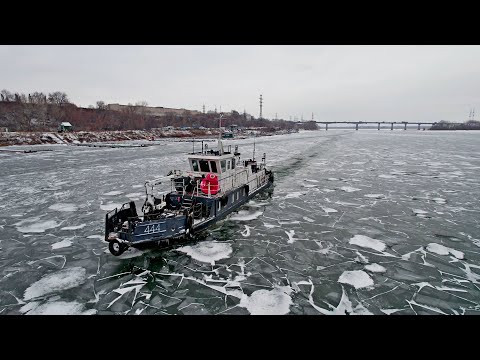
(247, 188)
(117, 248)
(189, 227)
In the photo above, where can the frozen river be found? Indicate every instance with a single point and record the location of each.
(359, 222)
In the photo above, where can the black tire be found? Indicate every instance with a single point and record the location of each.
(116, 248)
(189, 228)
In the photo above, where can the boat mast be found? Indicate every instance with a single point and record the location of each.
(254, 136)
(220, 145)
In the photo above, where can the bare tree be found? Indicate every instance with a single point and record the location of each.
(37, 98)
(101, 105)
(58, 97)
(7, 95)
(141, 103)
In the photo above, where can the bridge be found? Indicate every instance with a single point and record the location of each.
(356, 123)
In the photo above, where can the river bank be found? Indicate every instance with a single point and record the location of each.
(85, 137)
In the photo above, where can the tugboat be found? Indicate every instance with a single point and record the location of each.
(218, 183)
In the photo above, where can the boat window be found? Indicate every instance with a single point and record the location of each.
(233, 163)
(213, 166)
(195, 165)
(238, 194)
(228, 164)
(204, 166)
(223, 164)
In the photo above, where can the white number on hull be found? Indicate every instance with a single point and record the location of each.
(152, 229)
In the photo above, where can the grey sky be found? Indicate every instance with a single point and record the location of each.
(336, 83)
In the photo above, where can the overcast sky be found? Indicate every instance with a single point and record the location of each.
(335, 83)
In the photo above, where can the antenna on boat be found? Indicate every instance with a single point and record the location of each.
(254, 136)
(220, 145)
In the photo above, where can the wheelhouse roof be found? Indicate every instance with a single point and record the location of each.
(210, 157)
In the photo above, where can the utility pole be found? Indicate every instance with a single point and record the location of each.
(312, 116)
(261, 102)
(215, 109)
(276, 118)
(204, 108)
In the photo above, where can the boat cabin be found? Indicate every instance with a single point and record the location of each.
(212, 164)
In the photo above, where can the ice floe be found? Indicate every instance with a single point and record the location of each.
(109, 207)
(207, 251)
(62, 244)
(290, 236)
(245, 215)
(56, 308)
(368, 242)
(375, 268)
(38, 227)
(77, 227)
(64, 207)
(57, 281)
(358, 279)
(328, 210)
(375, 196)
(295, 194)
(349, 189)
(268, 302)
(443, 250)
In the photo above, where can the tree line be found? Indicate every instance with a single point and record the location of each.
(44, 112)
(445, 125)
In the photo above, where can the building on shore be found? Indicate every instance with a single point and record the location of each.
(65, 126)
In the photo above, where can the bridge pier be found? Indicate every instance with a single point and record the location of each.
(418, 126)
(356, 126)
(391, 128)
(405, 128)
(326, 127)
(378, 126)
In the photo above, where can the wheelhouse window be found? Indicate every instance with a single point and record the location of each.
(228, 164)
(213, 166)
(195, 165)
(204, 166)
(223, 165)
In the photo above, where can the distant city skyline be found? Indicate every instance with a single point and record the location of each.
(334, 83)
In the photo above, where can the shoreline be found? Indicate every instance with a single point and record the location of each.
(88, 138)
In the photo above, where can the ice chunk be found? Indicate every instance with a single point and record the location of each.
(443, 250)
(208, 251)
(358, 279)
(63, 207)
(60, 280)
(367, 242)
(268, 302)
(375, 268)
